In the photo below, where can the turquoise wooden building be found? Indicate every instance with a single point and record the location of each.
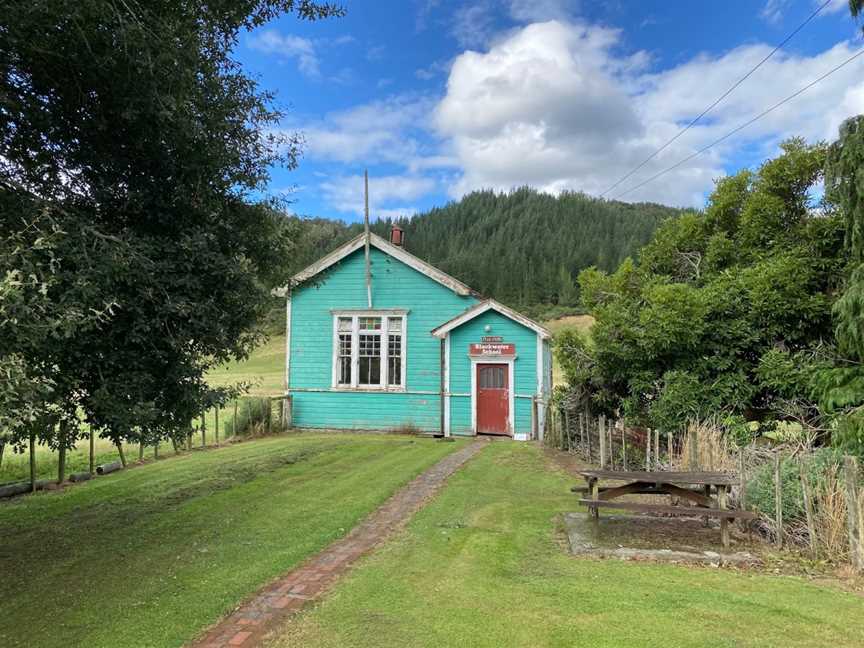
(394, 343)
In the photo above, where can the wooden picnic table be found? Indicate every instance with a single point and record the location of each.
(676, 484)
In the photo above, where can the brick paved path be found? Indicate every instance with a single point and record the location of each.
(248, 624)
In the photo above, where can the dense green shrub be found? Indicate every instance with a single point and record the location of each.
(760, 487)
(724, 312)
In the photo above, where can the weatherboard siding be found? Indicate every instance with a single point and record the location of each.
(394, 285)
(524, 369)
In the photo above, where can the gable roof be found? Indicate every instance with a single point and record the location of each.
(487, 305)
(388, 248)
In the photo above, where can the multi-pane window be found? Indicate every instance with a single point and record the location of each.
(369, 351)
(343, 359)
(394, 351)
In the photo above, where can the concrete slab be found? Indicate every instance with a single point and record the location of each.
(602, 541)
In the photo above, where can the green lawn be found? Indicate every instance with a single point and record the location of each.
(483, 565)
(151, 556)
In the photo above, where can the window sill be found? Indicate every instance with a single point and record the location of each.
(370, 389)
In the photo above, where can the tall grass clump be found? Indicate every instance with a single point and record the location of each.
(253, 417)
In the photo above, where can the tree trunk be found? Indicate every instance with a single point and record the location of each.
(174, 443)
(2, 449)
(61, 454)
(204, 430)
(92, 452)
(141, 450)
(32, 462)
(120, 452)
(216, 426)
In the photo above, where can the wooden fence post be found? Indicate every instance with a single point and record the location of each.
(610, 449)
(657, 449)
(567, 428)
(588, 435)
(234, 428)
(724, 522)
(694, 450)
(669, 449)
(778, 501)
(624, 445)
(808, 509)
(853, 513)
(609, 431)
(602, 434)
(648, 451)
(581, 432)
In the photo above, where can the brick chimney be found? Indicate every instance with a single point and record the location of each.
(397, 235)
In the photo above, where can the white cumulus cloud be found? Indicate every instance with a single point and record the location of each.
(385, 130)
(555, 105)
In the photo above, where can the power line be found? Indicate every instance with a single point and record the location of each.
(719, 99)
(741, 127)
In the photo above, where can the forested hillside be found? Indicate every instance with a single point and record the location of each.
(524, 248)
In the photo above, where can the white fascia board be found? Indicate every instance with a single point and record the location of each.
(388, 248)
(484, 306)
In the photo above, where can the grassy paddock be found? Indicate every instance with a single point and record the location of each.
(264, 369)
(482, 565)
(149, 557)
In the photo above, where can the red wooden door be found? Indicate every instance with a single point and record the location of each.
(493, 399)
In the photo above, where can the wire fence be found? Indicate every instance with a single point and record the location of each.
(38, 467)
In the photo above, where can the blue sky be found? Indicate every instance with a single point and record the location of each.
(440, 97)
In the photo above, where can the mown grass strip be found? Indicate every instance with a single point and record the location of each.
(483, 565)
(149, 557)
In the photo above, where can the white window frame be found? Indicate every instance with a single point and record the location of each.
(356, 315)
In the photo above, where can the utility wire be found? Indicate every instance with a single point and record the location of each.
(742, 126)
(719, 99)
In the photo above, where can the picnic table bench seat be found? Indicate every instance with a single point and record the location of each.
(695, 511)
